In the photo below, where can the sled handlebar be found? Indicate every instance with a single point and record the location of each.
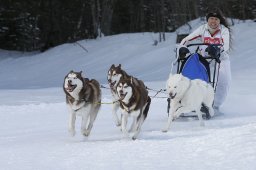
(214, 58)
(217, 58)
(198, 44)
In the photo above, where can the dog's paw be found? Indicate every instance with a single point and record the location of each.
(134, 138)
(72, 132)
(118, 124)
(164, 130)
(86, 132)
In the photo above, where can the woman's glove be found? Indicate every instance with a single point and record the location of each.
(213, 50)
(183, 52)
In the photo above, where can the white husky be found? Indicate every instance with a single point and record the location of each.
(187, 96)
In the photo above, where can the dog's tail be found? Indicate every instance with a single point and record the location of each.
(145, 113)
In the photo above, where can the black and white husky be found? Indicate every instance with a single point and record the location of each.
(83, 98)
(134, 102)
(115, 74)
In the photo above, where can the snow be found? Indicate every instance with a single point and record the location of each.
(34, 116)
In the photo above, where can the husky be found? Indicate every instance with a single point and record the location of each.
(134, 102)
(187, 96)
(115, 74)
(83, 98)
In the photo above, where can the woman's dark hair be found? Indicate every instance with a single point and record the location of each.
(216, 12)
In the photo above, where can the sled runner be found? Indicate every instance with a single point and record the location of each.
(195, 66)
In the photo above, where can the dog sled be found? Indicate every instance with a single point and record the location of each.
(195, 66)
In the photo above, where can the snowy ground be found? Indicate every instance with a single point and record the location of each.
(33, 113)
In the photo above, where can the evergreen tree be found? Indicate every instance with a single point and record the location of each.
(32, 25)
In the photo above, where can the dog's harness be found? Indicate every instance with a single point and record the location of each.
(101, 102)
(124, 106)
(168, 100)
(86, 101)
(186, 91)
(184, 95)
(128, 111)
(80, 107)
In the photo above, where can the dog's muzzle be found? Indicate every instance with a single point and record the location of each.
(71, 86)
(111, 84)
(122, 94)
(172, 96)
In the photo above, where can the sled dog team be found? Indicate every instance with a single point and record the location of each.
(130, 95)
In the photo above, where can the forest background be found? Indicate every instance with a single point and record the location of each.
(39, 25)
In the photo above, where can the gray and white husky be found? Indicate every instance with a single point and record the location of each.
(135, 103)
(83, 98)
(115, 74)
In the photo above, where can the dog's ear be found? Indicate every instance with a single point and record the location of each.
(170, 75)
(167, 85)
(131, 80)
(119, 66)
(80, 73)
(134, 81)
(71, 71)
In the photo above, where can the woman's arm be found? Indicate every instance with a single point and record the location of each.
(226, 38)
(192, 36)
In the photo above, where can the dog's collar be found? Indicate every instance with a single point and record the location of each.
(77, 109)
(127, 107)
(81, 101)
(127, 110)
